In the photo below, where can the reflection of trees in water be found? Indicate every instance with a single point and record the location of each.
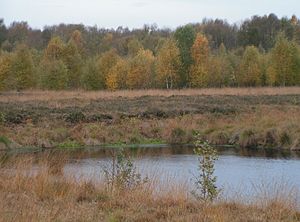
(56, 159)
(268, 153)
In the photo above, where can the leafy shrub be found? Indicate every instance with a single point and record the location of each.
(135, 139)
(121, 174)
(100, 118)
(14, 117)
(59, 135)
(248, 139)
(177, 136)
(206, 189)
(271, 138)
(223, 110)
(154, 113)
(285, 139)
(75, 117)
(5, 141)
(2, 117)
(219, 138)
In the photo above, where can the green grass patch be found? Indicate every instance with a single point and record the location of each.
(5, 141)
(2, 117)
(153, 141)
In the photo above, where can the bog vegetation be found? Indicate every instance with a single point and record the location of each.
(50, 195)
(254, 117)
(262, 51)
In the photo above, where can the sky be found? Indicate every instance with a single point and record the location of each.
(136, 13)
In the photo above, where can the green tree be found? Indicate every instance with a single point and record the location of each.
(234, 58)
(134, 46)
(53, 72)
(91, 78)
(73, 61)
(250, 69)
(259, 30)
(168, 64)
(3, 31)
(53, 75)
(5, 71)
(185, 37)
(23, 68)
(284, 67)
(220, 69)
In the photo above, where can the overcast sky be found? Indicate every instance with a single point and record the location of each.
(135, 13)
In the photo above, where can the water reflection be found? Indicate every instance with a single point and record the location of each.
(239, 171)
(98, 152)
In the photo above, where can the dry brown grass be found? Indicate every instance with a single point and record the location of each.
(268, 125)
(45, 196)
(261, 119)
(93, 95)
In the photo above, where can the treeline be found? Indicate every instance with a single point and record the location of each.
(262, 51)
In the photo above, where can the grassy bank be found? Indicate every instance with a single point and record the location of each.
(262, 117)
(48, 195)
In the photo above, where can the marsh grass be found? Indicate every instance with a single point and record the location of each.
(31, 194)
(93, 95)
(247, 117)
(4, 140)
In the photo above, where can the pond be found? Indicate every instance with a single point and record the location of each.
(240, 172)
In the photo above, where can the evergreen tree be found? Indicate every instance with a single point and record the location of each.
(185, 37)
(3, 31)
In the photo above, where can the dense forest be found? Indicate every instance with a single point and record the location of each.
(261, 51)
